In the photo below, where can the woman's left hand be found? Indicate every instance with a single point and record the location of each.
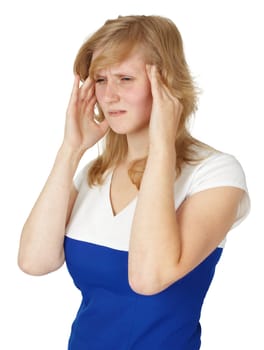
(165, 115)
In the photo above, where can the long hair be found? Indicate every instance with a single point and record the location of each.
(162, 46)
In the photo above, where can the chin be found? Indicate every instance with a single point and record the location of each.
(129, 129)
(120, 132)
(121, 129)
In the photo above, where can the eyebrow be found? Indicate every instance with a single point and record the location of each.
(118, 75)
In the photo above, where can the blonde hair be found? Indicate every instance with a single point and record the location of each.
(162, 46)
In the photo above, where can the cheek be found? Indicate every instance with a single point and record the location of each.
(144, 101)
(141, 95)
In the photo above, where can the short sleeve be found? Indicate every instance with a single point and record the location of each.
(218, 170)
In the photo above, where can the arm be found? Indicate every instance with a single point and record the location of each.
(41, 245)
(165, 245)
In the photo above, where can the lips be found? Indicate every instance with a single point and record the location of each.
(116, 112)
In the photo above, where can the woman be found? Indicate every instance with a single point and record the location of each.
(146, 220)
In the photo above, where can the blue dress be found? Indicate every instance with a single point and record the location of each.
(111, 315)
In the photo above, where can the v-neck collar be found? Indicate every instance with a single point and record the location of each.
(109, 202)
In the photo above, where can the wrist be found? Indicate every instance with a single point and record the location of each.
(166, 153)
(70, 155)
(162, 160)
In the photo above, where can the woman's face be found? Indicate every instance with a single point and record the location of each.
(123, 92)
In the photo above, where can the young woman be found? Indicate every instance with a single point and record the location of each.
(146, 221)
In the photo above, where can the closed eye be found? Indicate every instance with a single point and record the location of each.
(100, 80)
(126, 78)
(121, 78)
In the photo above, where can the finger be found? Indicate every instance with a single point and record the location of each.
(75, 90)
(87, 95)
(158, 88)
(86, 89)
(88, 108)
(161, 92)
(152, 75)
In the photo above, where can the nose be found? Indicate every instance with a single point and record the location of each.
(111, 93)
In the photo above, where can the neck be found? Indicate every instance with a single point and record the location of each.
(138, 145)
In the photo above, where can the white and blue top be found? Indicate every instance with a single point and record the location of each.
(111, 315)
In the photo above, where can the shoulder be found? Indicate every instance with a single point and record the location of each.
(219, 169)
(212, 168)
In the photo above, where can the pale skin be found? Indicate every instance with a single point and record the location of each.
(165, 244)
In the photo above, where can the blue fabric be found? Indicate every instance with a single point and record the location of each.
(113, 317)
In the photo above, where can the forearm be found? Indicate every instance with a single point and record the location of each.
(41, 245)
(155, 238)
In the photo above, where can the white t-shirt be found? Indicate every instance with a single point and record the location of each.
(92, 218)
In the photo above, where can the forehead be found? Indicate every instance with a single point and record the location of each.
(134, 61)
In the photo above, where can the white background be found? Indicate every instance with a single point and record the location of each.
(39, 41)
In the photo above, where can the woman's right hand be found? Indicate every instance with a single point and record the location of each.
(81, 130)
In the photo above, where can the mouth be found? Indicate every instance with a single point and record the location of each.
(116, 113)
